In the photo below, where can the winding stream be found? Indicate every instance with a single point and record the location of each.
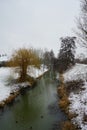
(36, 110)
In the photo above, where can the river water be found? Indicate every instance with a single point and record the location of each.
(37, 109)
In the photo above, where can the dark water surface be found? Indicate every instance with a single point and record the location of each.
(36, 110)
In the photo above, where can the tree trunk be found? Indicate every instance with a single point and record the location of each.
(23, 75)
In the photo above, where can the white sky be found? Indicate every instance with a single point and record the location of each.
(37, 23)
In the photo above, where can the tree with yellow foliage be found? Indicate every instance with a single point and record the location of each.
(23, 58)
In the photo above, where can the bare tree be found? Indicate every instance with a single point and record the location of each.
(82, 24)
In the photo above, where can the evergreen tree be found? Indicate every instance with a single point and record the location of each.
(66, 54)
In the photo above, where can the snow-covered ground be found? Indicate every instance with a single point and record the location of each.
(4, 58)
(6, 74)
(79, 71)
(32, 71)
(78, 101)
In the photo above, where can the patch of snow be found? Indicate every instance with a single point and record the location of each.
(16, 87)
(79, 71)
(34, 72)
(6, 74)
(78, 101)
(57, 76)
(4, 90)
(79, 106)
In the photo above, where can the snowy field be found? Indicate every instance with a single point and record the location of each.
(79, 71)
(7, 74)
(78, 101)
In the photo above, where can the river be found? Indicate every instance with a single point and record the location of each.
(37, 109)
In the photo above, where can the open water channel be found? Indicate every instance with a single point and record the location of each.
(37, 109)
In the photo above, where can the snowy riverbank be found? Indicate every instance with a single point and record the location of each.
(8, 89)
(78, 100)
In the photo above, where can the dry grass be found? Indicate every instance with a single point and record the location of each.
(67, 125)
(61, 91)
(64, 103)
(71, 115)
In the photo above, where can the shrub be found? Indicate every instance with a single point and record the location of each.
(68, 126)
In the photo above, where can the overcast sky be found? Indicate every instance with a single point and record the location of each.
(37, 23)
